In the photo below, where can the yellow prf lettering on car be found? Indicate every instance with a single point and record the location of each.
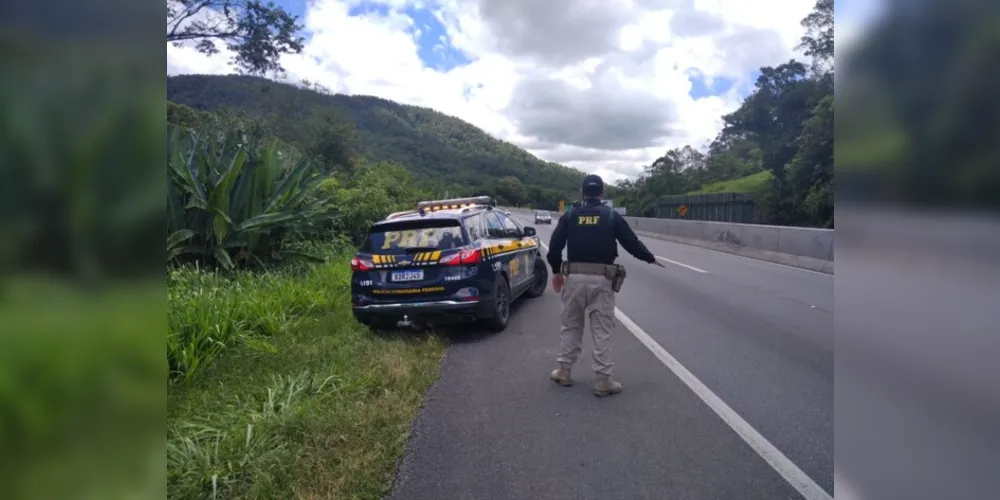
(588, 220)
(390, 238)
(425, 238)
(515, 266)
(409, 239)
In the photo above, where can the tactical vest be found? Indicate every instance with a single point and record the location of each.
(591, 234)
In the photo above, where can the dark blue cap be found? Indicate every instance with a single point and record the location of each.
(593, 185)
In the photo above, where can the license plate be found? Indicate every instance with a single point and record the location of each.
(413, 275)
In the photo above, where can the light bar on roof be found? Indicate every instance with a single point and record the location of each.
(403, 212)
(454, 203)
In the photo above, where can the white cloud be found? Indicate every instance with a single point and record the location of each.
(600, 85)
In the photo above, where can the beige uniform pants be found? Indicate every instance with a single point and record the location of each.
(587, 295)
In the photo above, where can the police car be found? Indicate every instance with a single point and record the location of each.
(447, 261)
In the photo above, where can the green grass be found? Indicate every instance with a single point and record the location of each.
(751, 185)
(298, 401)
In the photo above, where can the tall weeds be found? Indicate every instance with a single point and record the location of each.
(209, 311)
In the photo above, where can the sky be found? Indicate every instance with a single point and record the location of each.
(604, 86)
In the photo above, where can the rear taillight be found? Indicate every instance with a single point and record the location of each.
(463, 258)
(361, 265)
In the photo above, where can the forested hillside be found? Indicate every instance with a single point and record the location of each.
(443, 153)
(777, 147)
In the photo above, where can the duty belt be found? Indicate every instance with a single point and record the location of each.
(588, 268)
(614, 272)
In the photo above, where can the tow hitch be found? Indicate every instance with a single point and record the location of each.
(406, 323)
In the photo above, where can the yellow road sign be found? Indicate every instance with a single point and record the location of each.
(683, 210)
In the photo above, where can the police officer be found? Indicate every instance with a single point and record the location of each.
(590, 232)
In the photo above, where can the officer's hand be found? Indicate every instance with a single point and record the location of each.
(558, 281)
(656, 262)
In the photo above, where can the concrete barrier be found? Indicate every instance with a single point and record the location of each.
(802, 247)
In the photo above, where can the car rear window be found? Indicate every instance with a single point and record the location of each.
(398, 237)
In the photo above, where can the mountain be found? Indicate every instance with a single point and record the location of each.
(438, 149)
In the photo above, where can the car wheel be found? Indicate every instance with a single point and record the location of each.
(501, 306)
(541, 278)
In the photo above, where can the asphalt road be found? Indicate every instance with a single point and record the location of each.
(757, 336)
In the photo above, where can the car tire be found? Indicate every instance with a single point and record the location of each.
(541, 276)
(501, 306)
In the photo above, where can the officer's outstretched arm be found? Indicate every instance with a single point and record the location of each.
(630, 242)
(557, 243)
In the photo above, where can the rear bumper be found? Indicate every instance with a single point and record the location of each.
(434, 311)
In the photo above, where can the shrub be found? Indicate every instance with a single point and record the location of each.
(234, 197)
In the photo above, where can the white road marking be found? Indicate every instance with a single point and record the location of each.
(674, 262)
(777, 460)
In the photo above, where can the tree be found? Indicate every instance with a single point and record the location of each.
(818, 39)
(330, 141)
(180, 114)
(731, 157)
(511, 189)
(773, 116)
(810, 173)
(256, 32)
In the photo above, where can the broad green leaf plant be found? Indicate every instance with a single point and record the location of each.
(234, 197)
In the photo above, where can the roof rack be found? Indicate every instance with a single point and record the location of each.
(455, 203)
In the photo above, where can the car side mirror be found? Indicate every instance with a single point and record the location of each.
(529, 231)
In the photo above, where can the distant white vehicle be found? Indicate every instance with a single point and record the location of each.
(543, 217)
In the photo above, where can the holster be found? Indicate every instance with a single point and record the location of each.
(613, 272)
(617, 277)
